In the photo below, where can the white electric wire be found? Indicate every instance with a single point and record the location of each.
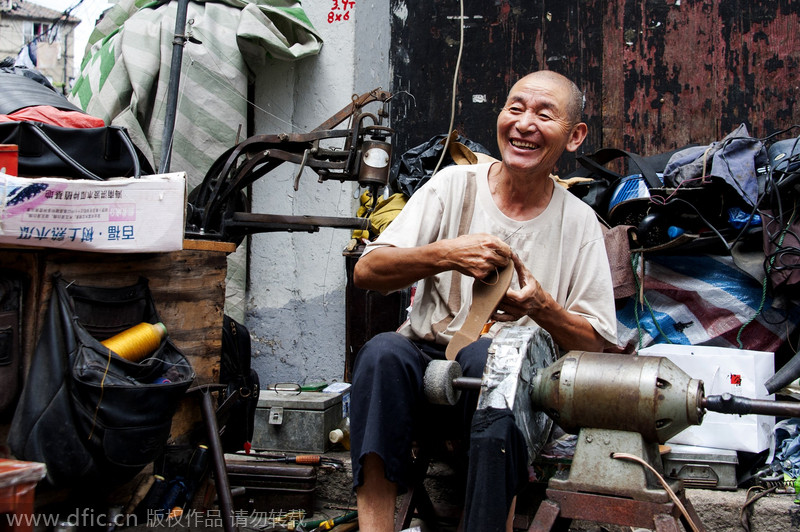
(455, 85)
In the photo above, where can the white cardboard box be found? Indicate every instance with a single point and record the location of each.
(724, 370)
(112, 216)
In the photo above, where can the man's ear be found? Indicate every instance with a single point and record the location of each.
(576, 136)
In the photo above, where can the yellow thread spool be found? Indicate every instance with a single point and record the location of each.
(138, 342)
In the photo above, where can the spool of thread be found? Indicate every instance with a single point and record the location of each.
(152, 501)
(138, 342)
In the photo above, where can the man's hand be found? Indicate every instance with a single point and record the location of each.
(569, 330)
(477, 255)
(391, 268)
(529, 300)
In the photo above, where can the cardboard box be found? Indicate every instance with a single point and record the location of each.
(113, 216)
(724, 370)
(296, 422)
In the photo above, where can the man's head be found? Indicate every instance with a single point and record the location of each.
(541, 119)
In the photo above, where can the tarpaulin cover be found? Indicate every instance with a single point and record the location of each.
(702, 300)
(125, 73)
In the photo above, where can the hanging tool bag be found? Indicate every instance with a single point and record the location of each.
(48, 148)
(87, 413)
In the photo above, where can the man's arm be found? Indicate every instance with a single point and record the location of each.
(569, 330)
(390, 268)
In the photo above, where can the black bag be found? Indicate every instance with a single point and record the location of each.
(415, 167)
(238, 401)
(52, 151)
(11, 287)
(85, 412)
(603, 181)
(82, 153)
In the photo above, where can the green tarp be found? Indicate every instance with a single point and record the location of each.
(125, 73)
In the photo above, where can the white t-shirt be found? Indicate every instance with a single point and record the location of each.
(563, 247)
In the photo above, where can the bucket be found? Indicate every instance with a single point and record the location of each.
(9, 154)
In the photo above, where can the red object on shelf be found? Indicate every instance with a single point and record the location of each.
(9, 155)
(18, 482)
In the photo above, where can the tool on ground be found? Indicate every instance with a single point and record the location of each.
(216, 456)
(304, 459)
(328, 524)
(217, 208)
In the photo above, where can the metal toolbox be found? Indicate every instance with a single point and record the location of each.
(296, 422)
(274, 488)
(702, 467)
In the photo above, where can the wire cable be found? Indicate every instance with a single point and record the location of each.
(455, 87)
(675, 499)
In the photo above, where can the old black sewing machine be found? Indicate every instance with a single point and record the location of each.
(218, 208)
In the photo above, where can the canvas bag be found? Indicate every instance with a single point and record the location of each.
(85, 412)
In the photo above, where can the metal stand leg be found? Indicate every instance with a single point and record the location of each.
(562, 506)
(548, 518)
(220, 472)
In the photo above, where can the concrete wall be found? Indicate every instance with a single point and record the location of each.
(295, 300)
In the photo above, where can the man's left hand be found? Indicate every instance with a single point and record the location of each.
(527, 301)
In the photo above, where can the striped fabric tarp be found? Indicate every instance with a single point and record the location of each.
(702, 300)
(125, 73)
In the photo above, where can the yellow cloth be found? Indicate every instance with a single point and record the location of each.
(385, 211)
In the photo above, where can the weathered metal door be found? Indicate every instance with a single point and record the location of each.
(657, 74)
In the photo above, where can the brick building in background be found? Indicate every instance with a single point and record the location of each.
(39, 37)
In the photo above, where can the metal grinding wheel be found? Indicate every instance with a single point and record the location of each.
(438, 382)
(516, 356)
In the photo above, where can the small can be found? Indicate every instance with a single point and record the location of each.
(9, 155)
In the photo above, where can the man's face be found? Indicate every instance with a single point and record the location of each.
(534, 127)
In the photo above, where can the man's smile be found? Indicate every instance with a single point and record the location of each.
(523, 145)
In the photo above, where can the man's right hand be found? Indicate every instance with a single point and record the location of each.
(477, 255)
(391, 268)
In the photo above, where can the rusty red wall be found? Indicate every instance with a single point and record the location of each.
(657, 74)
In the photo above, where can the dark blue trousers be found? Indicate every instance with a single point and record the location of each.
(388, 411)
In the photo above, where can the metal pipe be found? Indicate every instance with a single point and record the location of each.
(220, 472)
(467, 383)
(178, 42)
(734, 404)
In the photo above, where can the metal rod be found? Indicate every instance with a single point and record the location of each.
(220, 472)
(467, 383)
(734, 404)
(178, 42)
